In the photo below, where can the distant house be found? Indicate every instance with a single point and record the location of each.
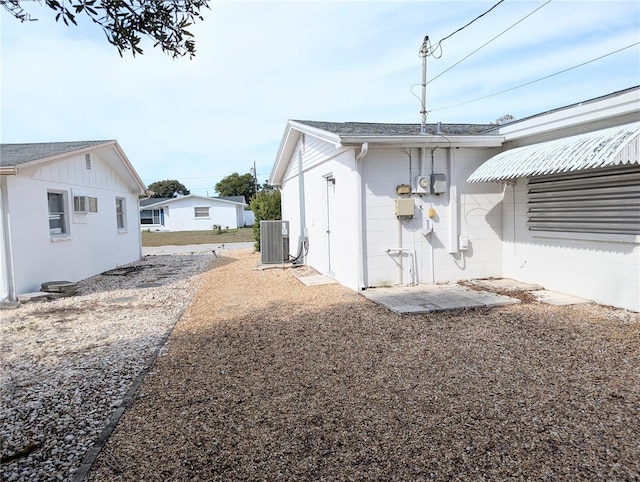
(68, 210)
(552, 199)
(192, 213)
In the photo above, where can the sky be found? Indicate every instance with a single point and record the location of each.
(259, 64)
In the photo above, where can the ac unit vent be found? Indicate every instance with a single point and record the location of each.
(274, 242)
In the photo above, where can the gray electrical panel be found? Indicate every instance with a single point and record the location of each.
(274, 242)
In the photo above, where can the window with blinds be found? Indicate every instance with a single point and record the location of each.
(605, 201)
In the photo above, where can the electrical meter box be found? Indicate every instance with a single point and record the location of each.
(438, 183)
(405, 207)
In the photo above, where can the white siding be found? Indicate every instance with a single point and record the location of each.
(93, 244)
(605, 271)
(343, 263)
(179, 215)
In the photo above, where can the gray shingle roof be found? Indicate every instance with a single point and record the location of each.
(16, 154)
(385, 129)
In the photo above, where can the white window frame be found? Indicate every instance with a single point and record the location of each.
(202, 214)
(154, 217)
(121, 214)
(93, 204)
(63, 230)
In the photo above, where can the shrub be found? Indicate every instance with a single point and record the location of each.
(266, 206)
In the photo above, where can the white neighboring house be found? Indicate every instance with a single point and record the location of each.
(68, 211)
(384, 204)
(192, 213)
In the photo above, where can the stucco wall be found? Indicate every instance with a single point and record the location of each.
(601, 270)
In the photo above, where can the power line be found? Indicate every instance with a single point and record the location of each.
(465, 26)
(536, 80)
(487, 43)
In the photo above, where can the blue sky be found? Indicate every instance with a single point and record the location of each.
(261, 63)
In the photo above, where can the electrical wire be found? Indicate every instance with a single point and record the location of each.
(487, 43)
(439, 44)
(536, 80)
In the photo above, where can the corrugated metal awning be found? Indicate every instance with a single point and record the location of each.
(603, 148)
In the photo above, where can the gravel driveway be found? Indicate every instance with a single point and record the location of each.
(264, 378)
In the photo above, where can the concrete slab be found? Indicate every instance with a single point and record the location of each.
(430, 298)
(558, 299)
(505, 284)
(317, 280)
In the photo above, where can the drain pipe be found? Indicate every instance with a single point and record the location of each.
(364, 150)
(6, 245)
(303, 221)
(453, 204)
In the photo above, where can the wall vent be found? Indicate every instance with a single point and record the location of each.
(87, 161)
(274, 242)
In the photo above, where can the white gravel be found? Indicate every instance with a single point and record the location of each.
(67, 364)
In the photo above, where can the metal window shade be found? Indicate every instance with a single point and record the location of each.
(594, 201)
(615, 146)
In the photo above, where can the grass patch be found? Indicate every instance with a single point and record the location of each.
(181, 238)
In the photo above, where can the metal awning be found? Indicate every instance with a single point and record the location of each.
(603, 148)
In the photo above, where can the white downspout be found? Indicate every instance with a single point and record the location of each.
(5, 244)
(453, 204)
(301, 200)
(360, 213)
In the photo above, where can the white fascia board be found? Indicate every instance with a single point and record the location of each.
(285, 150)
(288, 144)
(134, 174)
(321, 134)
(425, 141)
(621, 105)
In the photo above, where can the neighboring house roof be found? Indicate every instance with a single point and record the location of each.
(152, 202)
(237, 199)
(16, 154)
(14, 158)
(603, 148)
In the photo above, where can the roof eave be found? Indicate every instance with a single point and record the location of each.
(425, 140)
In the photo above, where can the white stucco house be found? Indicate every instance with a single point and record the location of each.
(68, 211)
(552, 199)
(192, 213)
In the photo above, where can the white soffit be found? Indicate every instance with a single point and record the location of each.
(603, 148)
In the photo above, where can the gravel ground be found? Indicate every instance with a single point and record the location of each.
(67, 364)
(264, 378)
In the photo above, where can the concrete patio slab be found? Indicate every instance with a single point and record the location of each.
(317, 280)
(505, 284)
(430, 298)
(558, 299)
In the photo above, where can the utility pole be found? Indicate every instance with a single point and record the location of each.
(424, 51)
(255, 177)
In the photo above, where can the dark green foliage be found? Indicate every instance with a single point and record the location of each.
(168, 188)
(125, 21)
(266, 206)
(237, 185)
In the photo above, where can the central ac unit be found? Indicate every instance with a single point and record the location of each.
(274, 242)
